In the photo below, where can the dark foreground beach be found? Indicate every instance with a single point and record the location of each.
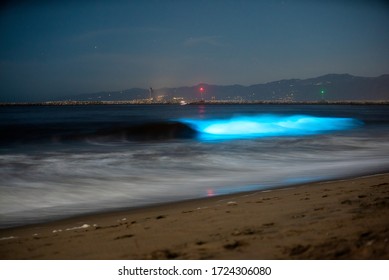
(345, 219)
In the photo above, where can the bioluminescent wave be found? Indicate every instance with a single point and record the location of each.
(97, 158)
(267, 126)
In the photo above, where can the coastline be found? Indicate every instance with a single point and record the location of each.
(341, 219)
(195, 102)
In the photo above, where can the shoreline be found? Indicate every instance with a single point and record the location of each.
(175, 203)
(338, 219)
(195, 102)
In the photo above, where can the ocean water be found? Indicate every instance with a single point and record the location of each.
(61, 161)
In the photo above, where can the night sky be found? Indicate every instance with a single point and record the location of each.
(51, 49)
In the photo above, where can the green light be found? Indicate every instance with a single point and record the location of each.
(322, 91)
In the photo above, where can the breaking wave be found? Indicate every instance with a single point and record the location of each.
(209, 129)
(267, 126)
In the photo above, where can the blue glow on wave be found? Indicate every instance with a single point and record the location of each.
(267, 126)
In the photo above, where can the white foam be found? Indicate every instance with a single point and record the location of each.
(62, 184)
(7, 238)
(81, 227)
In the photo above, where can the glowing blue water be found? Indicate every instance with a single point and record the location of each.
(244, 127)
(271, 146)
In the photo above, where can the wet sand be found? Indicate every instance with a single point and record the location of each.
(345, 219)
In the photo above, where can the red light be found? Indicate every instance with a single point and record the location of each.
(210, 192)
(201, 89)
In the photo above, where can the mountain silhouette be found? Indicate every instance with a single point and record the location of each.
(331, 87)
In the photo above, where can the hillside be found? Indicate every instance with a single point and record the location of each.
(331, 87)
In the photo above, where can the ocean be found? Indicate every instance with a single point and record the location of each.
(60, 161)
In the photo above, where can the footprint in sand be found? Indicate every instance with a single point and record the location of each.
(298, 250)
(160, 217)
(164, 254)
(234, 245)
(124, 236)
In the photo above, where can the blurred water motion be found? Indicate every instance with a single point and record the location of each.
(42, 179)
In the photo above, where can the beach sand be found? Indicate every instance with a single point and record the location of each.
(344, 219)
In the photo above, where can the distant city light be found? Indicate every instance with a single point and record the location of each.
(267, 126)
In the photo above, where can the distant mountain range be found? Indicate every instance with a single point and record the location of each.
(331, 87)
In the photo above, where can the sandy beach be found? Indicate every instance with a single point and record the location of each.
(344, 219)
